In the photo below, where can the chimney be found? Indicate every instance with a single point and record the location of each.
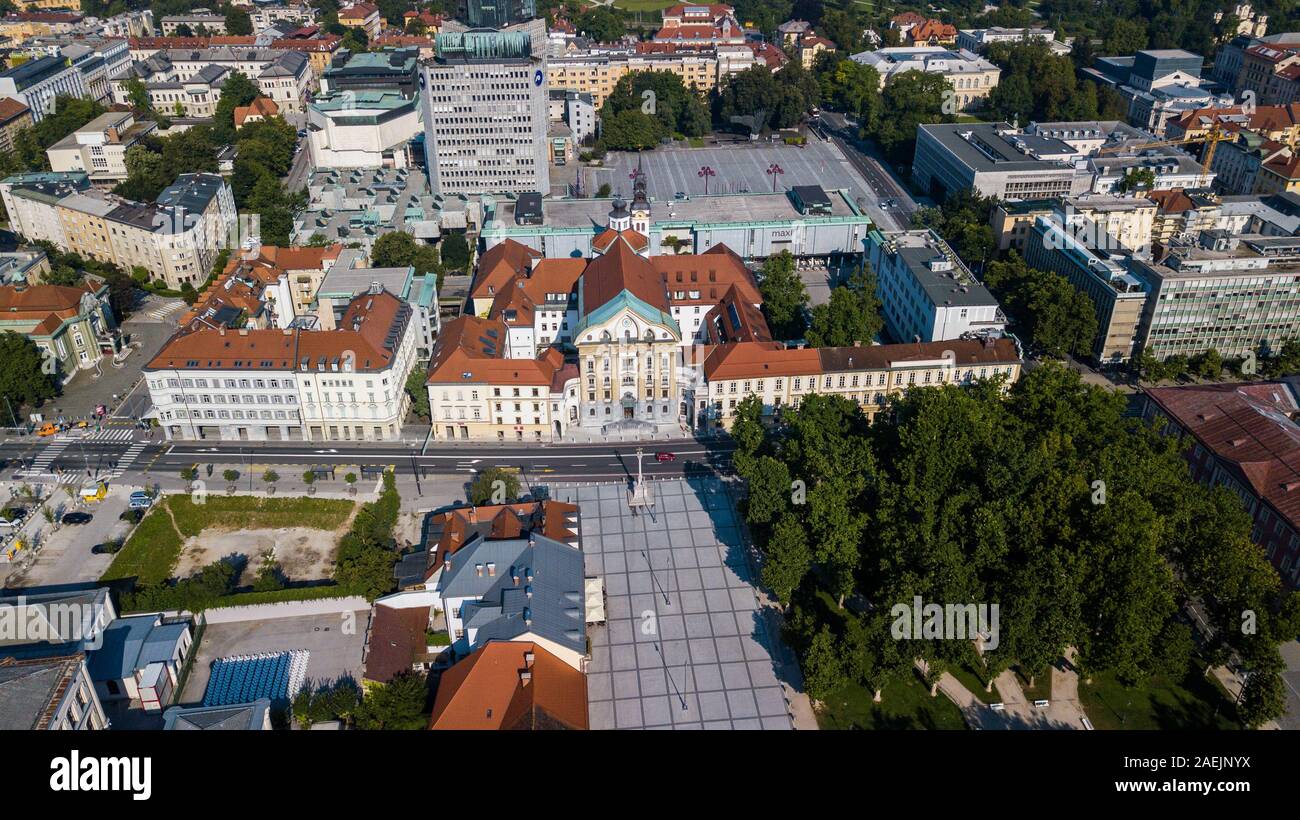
(525, 676)
(528, 573)
(473, 515)
(492, 569)
(528, 659)
(514, 575)
(478, 570)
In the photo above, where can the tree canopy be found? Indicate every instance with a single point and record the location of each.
(963, 495)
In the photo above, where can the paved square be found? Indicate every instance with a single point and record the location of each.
(684, 646)
(741, 167)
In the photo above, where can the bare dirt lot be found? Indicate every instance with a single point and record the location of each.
(303, 553)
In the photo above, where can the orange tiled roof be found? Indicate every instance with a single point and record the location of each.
(488, 691)
(470, 350)
(361, 334)
(498, 264)
(11, 109)
(46, 305)
(260, 106)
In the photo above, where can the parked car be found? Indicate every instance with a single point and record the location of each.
(74, 518)
(47, 429)
(662, 456)
(12, 516)
(141, 500)
(679, 195)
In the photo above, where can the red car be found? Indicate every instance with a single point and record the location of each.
(665, 456)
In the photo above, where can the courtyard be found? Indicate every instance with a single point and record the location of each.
(686, 645)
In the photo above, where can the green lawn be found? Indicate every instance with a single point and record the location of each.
(643, 5)
(1193, 703)
(697, 142)
(244, 512)
(906, 704)
(974, 683)
(1043, 687)
(153, 549)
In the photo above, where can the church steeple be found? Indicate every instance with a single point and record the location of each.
(640, 202)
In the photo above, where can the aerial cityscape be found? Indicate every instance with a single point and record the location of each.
(630, 364)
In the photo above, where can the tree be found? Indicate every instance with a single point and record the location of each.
(604, 24)
(238, 22)
(1057, 317)
(912, 98)
(494, 486)
(852, 315)
(823, 673)
(138, 93)
(455, 250)
(27, 379)
(659, 95)
(270, 476)
(237, 91)
(786, 558)
(631, 130)
(393, 250)
(419, 393)
(231, 476)
(1136, 179)
(399, 704)
(785, 299)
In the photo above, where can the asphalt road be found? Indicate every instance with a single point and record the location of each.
(561, 462)
(882, 183)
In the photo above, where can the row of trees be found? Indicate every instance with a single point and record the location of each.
(1083, 525)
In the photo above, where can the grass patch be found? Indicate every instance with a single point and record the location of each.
(905, 704)
(1195, 702)
(245, 512)
(972, 681)
(1043, 690)
(315, 593)
(696, 142)
(642, 5)
(151, 551)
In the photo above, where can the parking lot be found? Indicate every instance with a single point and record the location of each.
(335, 644)
(684, 646)
(738, 168)
(147, 329)
(65, 556)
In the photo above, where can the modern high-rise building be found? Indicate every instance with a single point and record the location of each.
(485, 106)
(496, 13)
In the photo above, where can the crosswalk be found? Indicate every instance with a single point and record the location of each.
(163, 311)
(41, 464)
(112, 434)
(128, 458)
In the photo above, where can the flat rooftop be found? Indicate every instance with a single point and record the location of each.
(722, 208)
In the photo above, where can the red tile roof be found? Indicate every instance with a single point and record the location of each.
(1249, 430)
(397, 636)
(620, 269)
(11, 109)
(470, 350)
(47, 306)
(496, 687)
(361, 335)
(454, 528)
(498, 264)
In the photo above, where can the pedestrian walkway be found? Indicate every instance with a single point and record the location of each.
(112, 434)
(128, 458)
(163, 311)
(41, 464)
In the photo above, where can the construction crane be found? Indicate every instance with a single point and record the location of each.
(1210, 138)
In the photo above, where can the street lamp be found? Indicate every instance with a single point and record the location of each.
(705, 173)
(774, 171)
